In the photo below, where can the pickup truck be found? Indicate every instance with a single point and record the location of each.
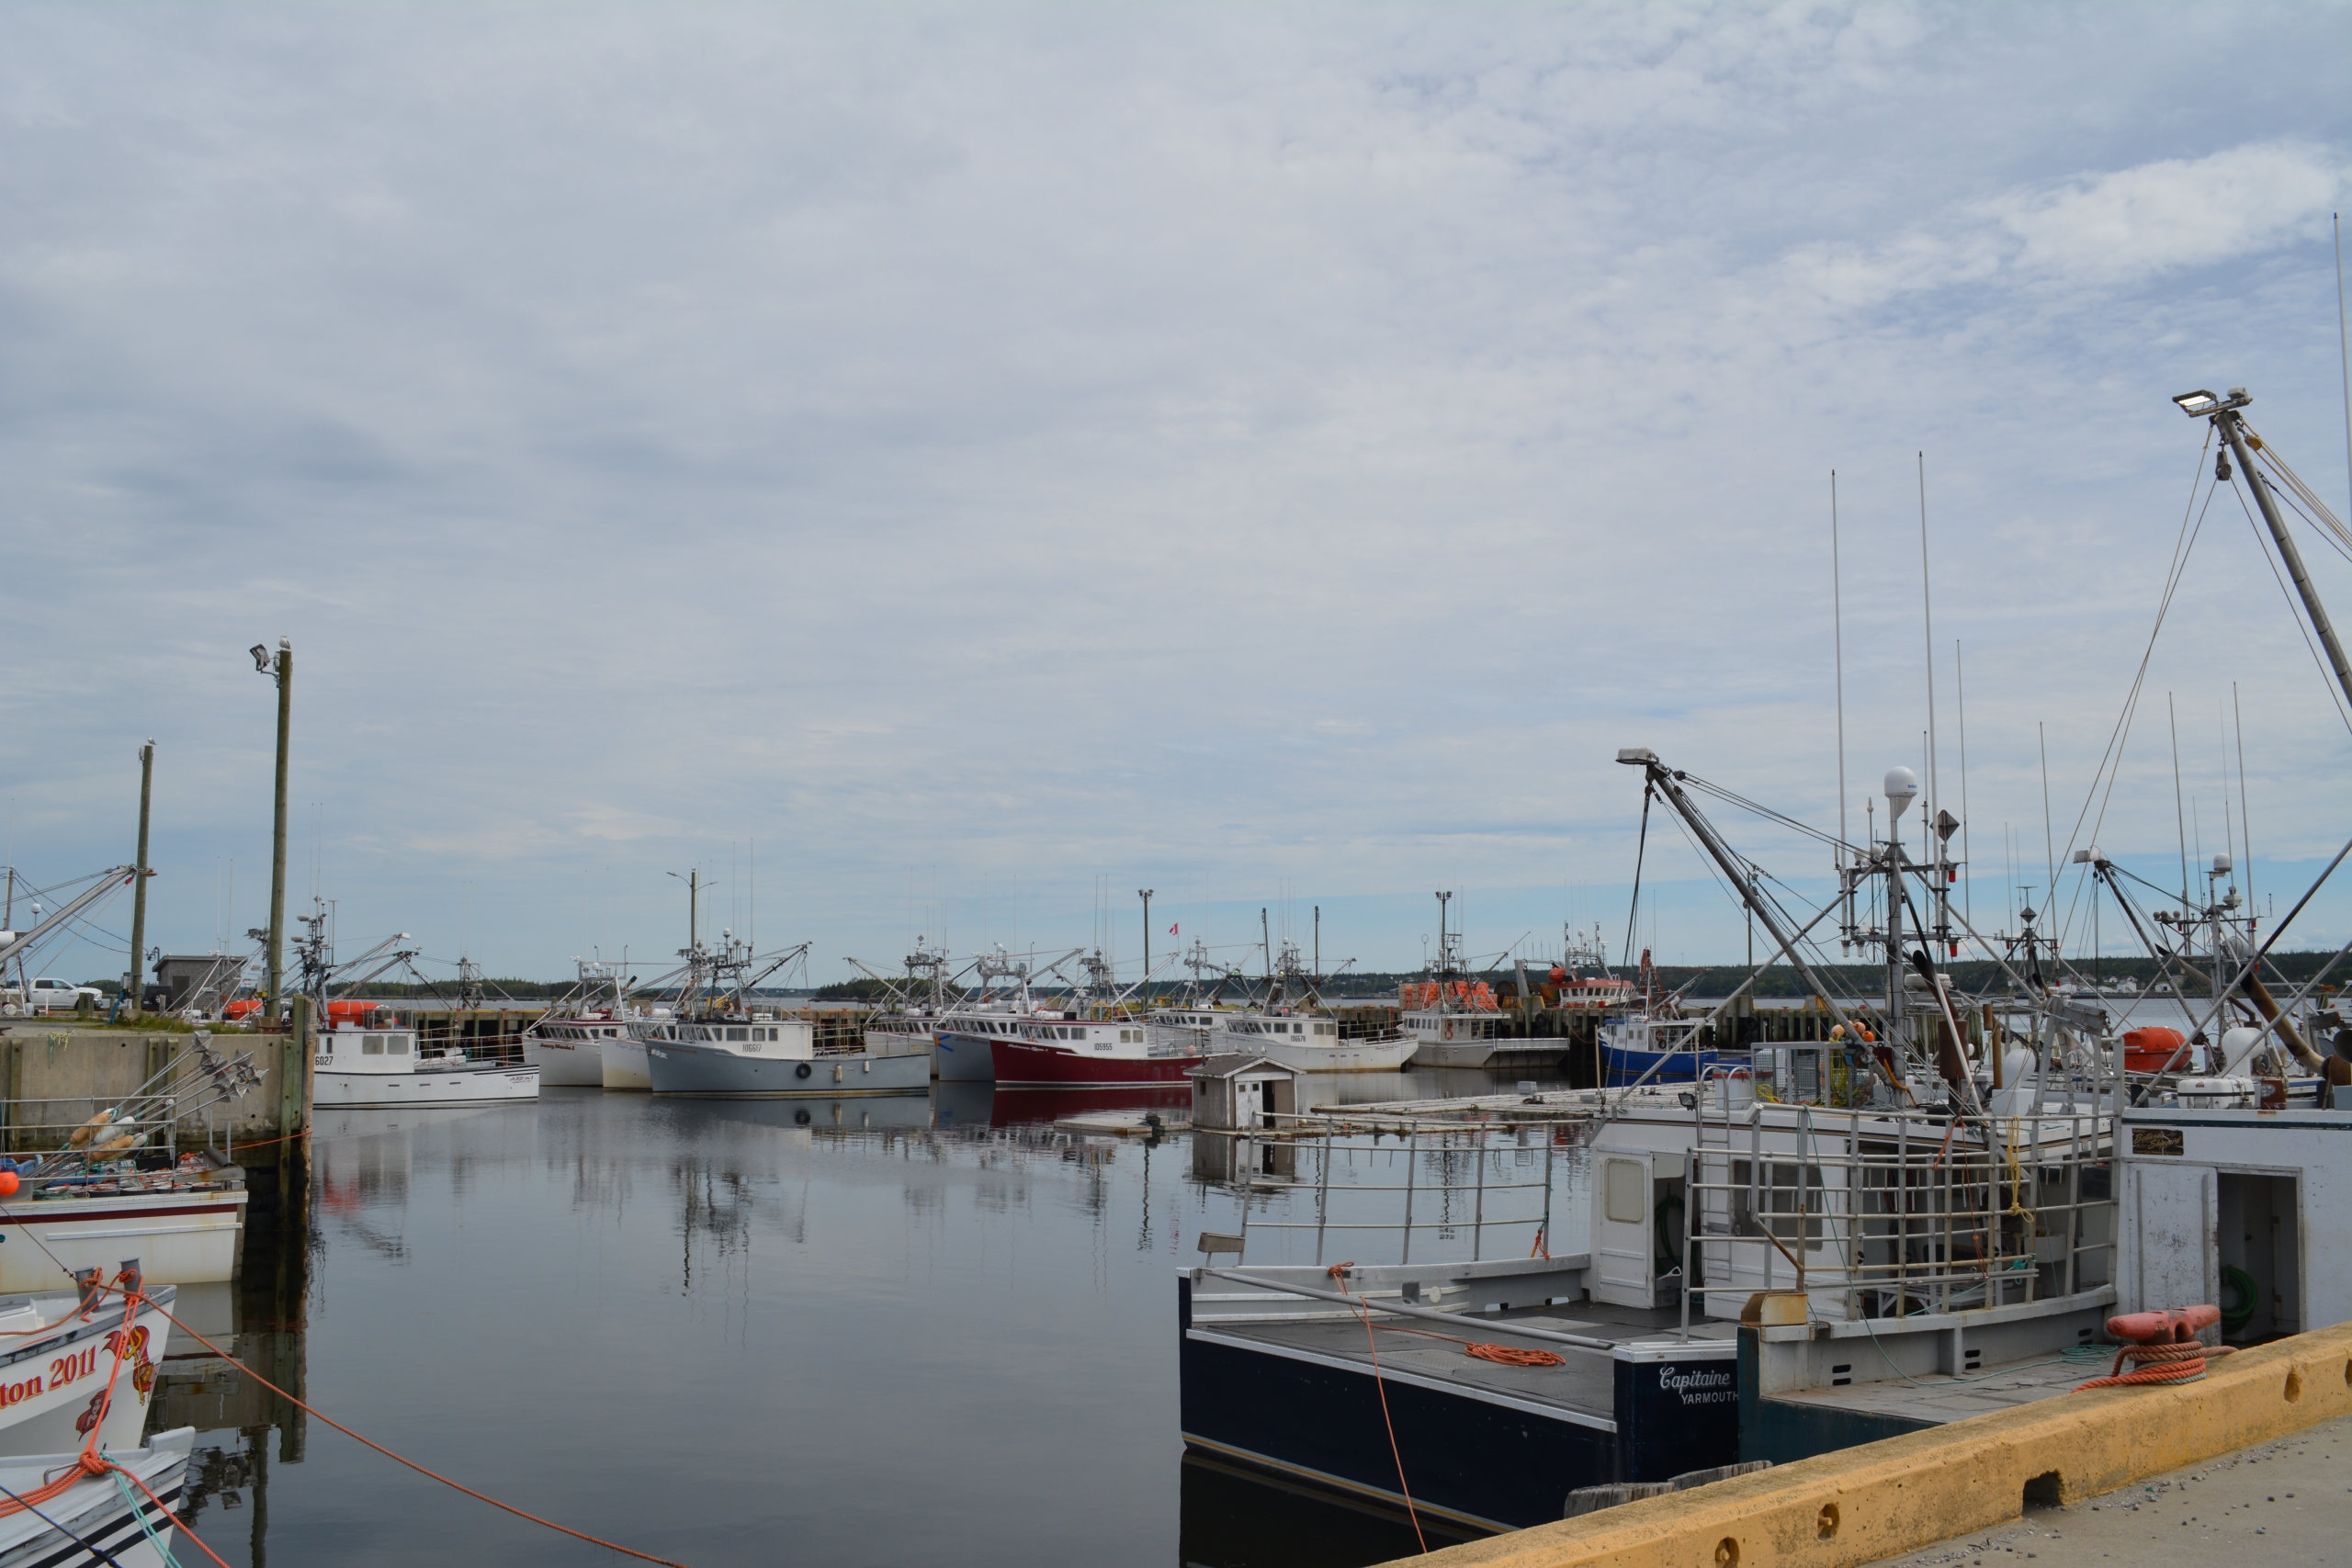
(50, 993)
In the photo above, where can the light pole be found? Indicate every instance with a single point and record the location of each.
(139, 882)
(1145, 894)
(279, 668)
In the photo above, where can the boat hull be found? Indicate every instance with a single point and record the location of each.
(483, 1085)
(1453, 1053)
(98, 1518)
(686, 1070)
(1344, 1057)
(624, 1066)
(179, 1237)
(963, 1058)
(566, 1064)
(1031, 1063)
(50, 1379)
(1622, 1064)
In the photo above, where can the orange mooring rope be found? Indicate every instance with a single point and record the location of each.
(2166, 1363)
(509, 1508)
(1338, 1273)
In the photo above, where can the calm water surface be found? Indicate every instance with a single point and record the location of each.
(887, 1331)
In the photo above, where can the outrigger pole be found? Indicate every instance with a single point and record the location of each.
(1666, 782)
(2223, 414)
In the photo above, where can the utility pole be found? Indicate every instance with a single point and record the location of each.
(1319, 942)
(281, 669)
(1266, 942)
(139, 882)
(1145, 894)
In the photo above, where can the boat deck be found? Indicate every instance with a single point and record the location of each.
(1584, 1386)
(1939, 1398)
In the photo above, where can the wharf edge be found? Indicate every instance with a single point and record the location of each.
(1882, 1499)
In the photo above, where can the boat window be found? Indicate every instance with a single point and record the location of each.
(396, 1044)
(371, 1045)
(739, 1034)
(1625, 1191)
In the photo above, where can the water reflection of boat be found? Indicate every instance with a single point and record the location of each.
(1233, 1516)
(978, 1105)
(900, 1113)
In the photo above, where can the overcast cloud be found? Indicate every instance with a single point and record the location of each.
(1247, 452)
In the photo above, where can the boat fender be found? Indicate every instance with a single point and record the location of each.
(801, 1071)
(8, 1182)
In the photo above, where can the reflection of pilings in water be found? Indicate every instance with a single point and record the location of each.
(265, 1331)
(717, 1207)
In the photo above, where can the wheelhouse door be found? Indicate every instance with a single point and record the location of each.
(1620, 1227)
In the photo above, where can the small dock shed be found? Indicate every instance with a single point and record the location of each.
(1242, 1093)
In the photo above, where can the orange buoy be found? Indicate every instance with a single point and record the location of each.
(8, 1184)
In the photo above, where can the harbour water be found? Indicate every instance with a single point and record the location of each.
(890, 1331)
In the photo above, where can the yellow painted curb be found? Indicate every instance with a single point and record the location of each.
(1901, 1494)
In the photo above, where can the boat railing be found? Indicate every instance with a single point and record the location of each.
(1879, 1213)
(106, 1129)
(1454, 1183)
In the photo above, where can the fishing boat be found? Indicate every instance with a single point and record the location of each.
(59, 1368)
(1307, 1043)
(354, 1067)
(184, 1224)
(1067, 1051)
(1451, 1018)
(766, 1058)
(568, 1045)
(127, 1522)
(1645, 1049)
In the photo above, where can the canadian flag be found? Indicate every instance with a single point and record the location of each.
(1172, 930)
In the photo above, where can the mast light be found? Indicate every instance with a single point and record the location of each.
(2199, 403)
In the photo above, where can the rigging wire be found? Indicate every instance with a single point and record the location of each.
(2294, 612)
(2111, 760)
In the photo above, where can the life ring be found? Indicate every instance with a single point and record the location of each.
(802, 1071)
(1449, 1029)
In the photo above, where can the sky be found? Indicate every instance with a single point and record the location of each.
(937, 470)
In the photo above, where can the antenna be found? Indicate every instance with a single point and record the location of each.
(2049, 851)
(2179, 819)
(1928, 610)
(2243, 828)
(1960, 677)
(2344, 357)
(1837, 632)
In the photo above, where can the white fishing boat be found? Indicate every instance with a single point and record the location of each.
(1307, 1043)
(771, 1059)
(624, 1053)
(1452, 1018)
(568, 1045)
(184, 1228)
(128, 1522)
(59, 1367)
(353, 1067)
